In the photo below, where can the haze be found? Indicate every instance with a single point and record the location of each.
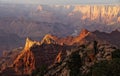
(61, 1)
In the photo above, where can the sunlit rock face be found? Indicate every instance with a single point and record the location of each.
(52, 49)
(35, 54)
(100, 13)
(48, 39)
(40, 8)
(118, 19)
(49, 50)
(70, 40)
(26, 58)
(29, 43)
(58, 58)
(84, 33)
(25, 62)
(88, 14)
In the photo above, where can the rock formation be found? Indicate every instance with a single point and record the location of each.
(29, 43)
(55, 51)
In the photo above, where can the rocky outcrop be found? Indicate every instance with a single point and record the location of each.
(99, 13)
(88, 58)
(35, 54)
(8, 57)
(48, 50)
(70, 40)
(25, 62)
(58, 58)
(83, 34)
(49, 39)
(29, 43)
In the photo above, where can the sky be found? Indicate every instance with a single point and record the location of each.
(62, 1)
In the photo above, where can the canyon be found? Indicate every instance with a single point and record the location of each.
(51, 50)
(35, 21)
(44, 39)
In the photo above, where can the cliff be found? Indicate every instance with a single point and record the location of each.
(29, 43)
(100, 13)
(35, 54)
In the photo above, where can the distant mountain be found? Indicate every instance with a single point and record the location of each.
(8, 41)
(15, 31)
(35, 29)
(35, 21)
(113, 37)
(105, 18)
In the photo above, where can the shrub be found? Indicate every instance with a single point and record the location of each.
(106, 68)
(39, 71)
(74, 64)
(116, 53)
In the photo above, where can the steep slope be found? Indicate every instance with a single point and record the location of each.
(26, 58)
(49, 39)
(29, 43)
(48, 51)
(7, 58)
(34, 55)
(69, 40)
(79, 60)
(52, 50)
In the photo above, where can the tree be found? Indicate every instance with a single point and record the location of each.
(116, 53)
(74, 64)
(99, 69)
(39, 71)
(106, 68)
(95, 47)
